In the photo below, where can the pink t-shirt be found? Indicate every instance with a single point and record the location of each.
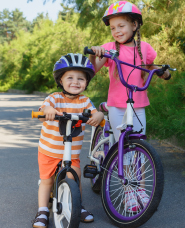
(117, 95)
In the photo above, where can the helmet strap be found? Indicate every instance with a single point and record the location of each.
(131, 38)
(65, 92)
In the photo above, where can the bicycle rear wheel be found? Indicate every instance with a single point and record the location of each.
(144, 172)
(70, 198)
(100, 154)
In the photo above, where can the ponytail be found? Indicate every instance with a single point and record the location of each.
(143, 73)
(115, 73)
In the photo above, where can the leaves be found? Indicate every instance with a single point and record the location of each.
(28, 53)
(28, 61)
(11, 23)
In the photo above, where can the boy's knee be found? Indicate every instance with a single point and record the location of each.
(49, 181)
(77, 170)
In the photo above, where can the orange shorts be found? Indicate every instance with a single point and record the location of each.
(48, 165)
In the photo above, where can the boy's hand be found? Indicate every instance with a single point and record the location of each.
(50, 113)
(95, 119)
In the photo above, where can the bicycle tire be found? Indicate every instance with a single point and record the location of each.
(152, 181)
(69, 196)
(98, 136)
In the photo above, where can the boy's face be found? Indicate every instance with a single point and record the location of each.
(74, 81)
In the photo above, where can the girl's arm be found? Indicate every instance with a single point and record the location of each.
(166, 73)
(97, 62)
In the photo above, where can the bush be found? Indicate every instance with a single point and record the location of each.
(165, 115)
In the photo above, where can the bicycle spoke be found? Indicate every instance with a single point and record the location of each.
(115, 191)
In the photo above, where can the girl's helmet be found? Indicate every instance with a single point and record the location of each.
(73, 62)
(122, 7)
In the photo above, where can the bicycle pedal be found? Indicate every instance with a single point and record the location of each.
(97, 185)
(90, 171)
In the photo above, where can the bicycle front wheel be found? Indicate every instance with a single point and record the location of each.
(143, 170)
(99, 154)
(70, 198)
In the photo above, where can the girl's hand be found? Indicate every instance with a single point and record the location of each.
(50, 113)
(166, 74)
(98, 50)
(95, 119)
(98, 62)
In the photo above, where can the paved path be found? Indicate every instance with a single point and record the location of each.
(19, 136)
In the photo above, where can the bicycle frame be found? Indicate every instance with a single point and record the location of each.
(110, 139)
(66, 162)
(127, 123)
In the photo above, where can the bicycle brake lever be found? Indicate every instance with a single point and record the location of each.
(172, 69)
(114, 53)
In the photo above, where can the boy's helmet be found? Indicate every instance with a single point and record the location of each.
(73, 62)
(122, 7)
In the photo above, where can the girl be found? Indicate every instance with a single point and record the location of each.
(125, 19)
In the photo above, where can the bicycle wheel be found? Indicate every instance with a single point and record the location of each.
(69, 196)
(100, 154)
(144, 172)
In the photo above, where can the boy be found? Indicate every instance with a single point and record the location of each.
(72, 74)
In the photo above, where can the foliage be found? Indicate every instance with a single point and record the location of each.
(165, 115)
(11, 23)
(27, 61)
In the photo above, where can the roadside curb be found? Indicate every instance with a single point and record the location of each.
(26, 92)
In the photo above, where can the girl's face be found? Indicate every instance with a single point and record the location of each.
(122, 28)
(74, 81)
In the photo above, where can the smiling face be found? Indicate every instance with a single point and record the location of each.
(122, 29)
(74, 81)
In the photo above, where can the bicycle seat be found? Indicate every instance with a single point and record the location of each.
(103, 107)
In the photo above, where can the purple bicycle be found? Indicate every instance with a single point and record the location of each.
(129, 169)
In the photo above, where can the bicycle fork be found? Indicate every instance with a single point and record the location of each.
(66, 162)
(126, 135)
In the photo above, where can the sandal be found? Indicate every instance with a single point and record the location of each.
(131, 203)
(86, 216)
(41, 220)
(143, 198)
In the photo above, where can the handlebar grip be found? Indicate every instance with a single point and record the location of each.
(88, 51)
(160, 72)
(36, 114)
(102, 124)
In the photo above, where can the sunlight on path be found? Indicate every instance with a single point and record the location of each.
(19, 130)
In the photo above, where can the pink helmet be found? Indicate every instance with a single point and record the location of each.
(122, 7)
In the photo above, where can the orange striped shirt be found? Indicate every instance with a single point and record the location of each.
(51, 142)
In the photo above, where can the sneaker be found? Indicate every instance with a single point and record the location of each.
(143, 198)
(131, 202)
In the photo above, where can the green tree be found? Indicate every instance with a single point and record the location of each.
(11, 23)
(28, 61)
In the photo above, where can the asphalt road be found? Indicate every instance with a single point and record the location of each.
(19, 136)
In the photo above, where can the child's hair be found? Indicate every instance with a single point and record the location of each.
(143, 74)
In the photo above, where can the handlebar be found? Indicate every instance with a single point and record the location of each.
(66, 117)
(88, 51)
(113, 54)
